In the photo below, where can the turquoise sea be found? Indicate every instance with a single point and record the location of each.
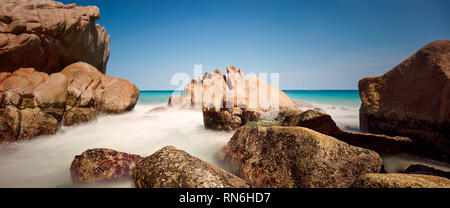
(342, 105)
(342, 98)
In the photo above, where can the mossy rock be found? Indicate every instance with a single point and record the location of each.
(265, 123)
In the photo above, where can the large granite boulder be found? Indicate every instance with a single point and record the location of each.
(412, 99)
(229, 102)
(48, 35)
(173, 168)
(33, 103)
(399, 180)
(323, 123)
(90, 88)
(102, 164)
(295, 157)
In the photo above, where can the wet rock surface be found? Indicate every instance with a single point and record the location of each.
(173, 168)
(101, 164)
(295, 157)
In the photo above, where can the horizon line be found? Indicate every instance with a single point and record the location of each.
(281, 90)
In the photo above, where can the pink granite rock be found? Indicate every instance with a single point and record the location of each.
(48, 35)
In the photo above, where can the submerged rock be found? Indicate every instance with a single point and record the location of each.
(158, 109)
(296, 157)
(225, 119)
(33, 103)
(399, 180)
(323, 123)
(176, 101)
(48, 35)
(173, 168)
(102, 164)
(412, 99)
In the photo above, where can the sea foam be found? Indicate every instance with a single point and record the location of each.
(344, 116)
(44, 161)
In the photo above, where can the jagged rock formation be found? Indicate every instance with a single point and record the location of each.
(33, 103)
(276, 157)
(173, 168)
(412, 99)
(47, 35)
(229, 102)
(102, 164)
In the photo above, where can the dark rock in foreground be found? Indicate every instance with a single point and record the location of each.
(296, 157)
(425, 170)
(413, 100)
(102, 164)
(399, 180)
(173, 168)
(323, 123)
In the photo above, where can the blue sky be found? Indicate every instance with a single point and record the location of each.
(322, 44)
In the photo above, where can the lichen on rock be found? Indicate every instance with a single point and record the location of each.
(101, 164)
(276, 157)
(173, 168)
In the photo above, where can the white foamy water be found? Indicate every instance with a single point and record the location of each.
(344, 116)
(44, 161)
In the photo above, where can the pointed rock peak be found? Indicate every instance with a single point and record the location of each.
(217, 71)
(235, 74)
(230, 68)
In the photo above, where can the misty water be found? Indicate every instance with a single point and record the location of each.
(44, 161)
